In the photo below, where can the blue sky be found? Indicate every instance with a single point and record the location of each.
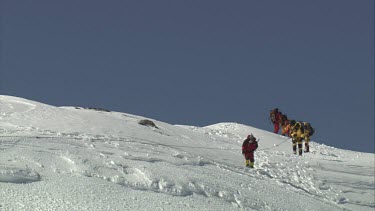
(199, 62)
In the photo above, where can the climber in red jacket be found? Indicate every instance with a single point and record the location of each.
(275, 117)
(248, 147)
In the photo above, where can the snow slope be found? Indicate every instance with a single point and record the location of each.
(64, 158)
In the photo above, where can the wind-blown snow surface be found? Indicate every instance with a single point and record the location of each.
(63, 158)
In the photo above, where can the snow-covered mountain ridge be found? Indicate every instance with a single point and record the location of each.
(63, 158)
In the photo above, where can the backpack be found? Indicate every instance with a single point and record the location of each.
(301, 127)
(309, 129)
(284, 118)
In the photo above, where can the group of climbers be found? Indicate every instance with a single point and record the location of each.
(297, 130)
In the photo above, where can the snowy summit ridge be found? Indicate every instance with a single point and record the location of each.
(64, 158)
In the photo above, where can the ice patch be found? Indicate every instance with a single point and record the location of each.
(19, 176)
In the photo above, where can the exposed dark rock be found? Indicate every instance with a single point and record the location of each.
(147, 122)
(96, 109)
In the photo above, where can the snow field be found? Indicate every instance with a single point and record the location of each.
(73, 159)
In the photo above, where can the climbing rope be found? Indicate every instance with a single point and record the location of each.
(145, 141)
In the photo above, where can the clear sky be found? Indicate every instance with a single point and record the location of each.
(199, 62)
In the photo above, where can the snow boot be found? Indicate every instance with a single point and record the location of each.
(307, 148)
(248, 163)
(300, 149)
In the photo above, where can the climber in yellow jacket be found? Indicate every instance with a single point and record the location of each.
(296, 132)
(308, 132)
